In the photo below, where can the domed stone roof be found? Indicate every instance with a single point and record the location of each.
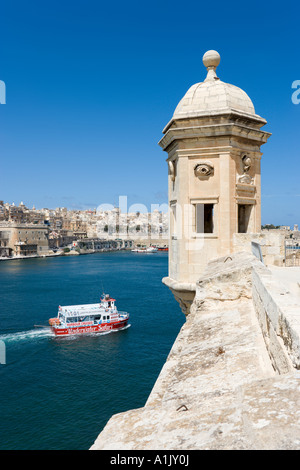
(213, 96)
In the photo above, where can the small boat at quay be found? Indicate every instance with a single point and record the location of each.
(150, 249)
(89, 318)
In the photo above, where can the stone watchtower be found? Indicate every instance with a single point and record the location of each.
(213, 143)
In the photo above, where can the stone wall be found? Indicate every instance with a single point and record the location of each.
(231, 379)
(278, 313)
(271, 243)
(25, 239)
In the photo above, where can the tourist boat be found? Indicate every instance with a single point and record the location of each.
(89, 318)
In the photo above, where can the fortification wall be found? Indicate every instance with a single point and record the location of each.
(271, 243)
(231, 380)
(278, 312)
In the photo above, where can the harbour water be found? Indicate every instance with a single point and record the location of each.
(58, 393)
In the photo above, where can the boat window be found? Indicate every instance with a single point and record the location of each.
(97, 317)
(86, 318)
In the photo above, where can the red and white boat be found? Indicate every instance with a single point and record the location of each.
(89, 318)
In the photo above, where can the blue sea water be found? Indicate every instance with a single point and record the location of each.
(58, 393)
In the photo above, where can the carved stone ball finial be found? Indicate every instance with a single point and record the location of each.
(211, 60)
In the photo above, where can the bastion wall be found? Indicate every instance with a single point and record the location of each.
(232, 379)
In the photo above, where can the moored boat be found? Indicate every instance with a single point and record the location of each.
(89, 318)
(163, 248)
(150, 249)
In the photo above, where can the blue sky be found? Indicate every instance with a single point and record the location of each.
(90, 85)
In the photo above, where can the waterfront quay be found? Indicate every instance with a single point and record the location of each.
(43, 232)
(29, 248)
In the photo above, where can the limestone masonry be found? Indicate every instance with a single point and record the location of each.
(213, 143)
(232, 378)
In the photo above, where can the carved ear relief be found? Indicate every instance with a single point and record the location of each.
(247, 162)
(245, 178)
(203, 170)
(171, 166)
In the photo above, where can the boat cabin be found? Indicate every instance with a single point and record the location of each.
(107, 301)
(84, 320)
(88, 314)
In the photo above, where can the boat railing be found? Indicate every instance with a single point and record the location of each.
(83, 313)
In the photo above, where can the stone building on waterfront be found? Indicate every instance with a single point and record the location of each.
(65, 225)
(18, 239)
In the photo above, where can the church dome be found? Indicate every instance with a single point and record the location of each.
(213, 96)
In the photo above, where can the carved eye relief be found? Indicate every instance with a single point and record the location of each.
(203, 169)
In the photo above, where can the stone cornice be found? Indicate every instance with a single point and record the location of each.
(221, 116)
(213, 131)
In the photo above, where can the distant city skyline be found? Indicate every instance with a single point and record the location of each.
(122, 205)
(90, 86)
(123, 209)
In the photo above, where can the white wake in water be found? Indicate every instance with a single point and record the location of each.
(25, 335)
